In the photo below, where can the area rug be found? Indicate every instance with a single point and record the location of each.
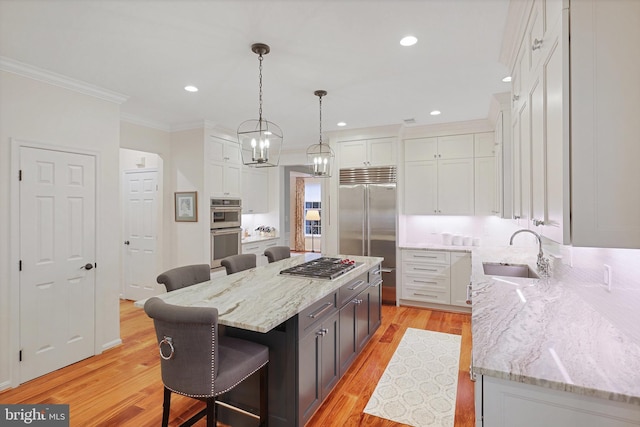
(419, 385)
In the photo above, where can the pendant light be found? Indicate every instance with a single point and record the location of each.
(320, 156)
(260, 140)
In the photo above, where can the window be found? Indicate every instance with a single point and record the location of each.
(312, 227)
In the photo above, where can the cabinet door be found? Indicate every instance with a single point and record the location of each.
(232, 179)
(485, 186)
(353, 154)
(216, 179)
(255, 187)
(381, 152)
(309, 387)
(362, 320)
(455, 146)
(375, 306)
(455, 187)
(484, 144)
(421, 188)
(460, 278)
(330, 362)
(222, 150)
(420, 149)
(348, 347)
(538, 175)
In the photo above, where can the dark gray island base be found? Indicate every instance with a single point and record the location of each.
(314, 328)
(309, 353)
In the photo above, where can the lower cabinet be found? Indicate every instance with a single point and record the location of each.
(502, 403)
(435, 277)
(332, 333)
(318, 368)
(258, 249)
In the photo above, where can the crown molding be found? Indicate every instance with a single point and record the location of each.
(13, 66)
(140, 121)
(517, 16)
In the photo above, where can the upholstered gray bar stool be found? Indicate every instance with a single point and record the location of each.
(237, 263)
(276, 253)
(197, 362)
(187, 275)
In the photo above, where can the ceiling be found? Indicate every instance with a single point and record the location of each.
(149, 50)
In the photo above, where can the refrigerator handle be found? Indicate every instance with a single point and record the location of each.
(367, 234)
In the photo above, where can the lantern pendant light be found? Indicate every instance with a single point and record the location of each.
(260, 140)
(320, 156)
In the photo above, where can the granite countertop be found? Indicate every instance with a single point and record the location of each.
(540, 332)
(258, 238)
(260, 299)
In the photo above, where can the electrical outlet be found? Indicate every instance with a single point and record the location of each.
(607, 276)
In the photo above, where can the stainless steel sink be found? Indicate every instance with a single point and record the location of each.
(509, 270)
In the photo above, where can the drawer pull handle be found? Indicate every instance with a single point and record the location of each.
(425, 281)
(468, 301)
(375, 284)
(425, 269)
(425, 256)
(321, 310)
(356, 285)
(425, 295)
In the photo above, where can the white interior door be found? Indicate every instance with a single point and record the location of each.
(57, 253)
(140, 234)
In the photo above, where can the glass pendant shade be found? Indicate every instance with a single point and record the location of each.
(260, 140)
(320, 156)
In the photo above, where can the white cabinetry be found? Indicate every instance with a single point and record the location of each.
(367, 152)
(439, 175)
(439, 277)
(255, 190)
(485, 174)
(502, 403)
(258, 249)
(605, 89)
(223, 167)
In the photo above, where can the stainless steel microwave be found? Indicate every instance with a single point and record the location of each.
(226, 213)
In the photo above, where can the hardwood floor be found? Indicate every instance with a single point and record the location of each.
(122, 386)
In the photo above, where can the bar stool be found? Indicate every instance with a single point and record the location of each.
(276, 253)
(237, 263)
(198, 363)
(184, 276)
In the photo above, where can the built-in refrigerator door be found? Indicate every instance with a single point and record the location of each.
(382, 234)
(351, 220)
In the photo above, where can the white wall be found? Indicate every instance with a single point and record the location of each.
(35, 111)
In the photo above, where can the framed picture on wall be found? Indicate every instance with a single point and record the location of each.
(186, 206)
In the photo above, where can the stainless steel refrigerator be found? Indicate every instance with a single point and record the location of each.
(367, 219)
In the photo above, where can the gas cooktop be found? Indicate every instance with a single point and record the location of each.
(321, 268)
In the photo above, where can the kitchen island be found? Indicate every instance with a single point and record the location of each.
(542, 356)
(314, 329)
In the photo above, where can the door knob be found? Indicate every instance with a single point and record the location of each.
(88, 266)
(126, 242)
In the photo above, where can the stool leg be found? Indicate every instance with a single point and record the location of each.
(165, 407)
(212, 419)
(264, 396)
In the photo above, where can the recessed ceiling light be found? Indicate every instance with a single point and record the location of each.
(435, 113)
(408, 41)
(341, 124)
(507, 79)
(191, 88)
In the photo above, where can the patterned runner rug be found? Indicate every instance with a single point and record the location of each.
(419, 385)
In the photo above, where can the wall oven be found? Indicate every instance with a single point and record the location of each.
(226, 234)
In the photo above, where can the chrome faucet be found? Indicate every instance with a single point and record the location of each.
(543, 263)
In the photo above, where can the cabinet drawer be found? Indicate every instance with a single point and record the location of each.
(439, 284)
(426, 269)
(423, 293)
(316, 312)
(350, 290)
(431, 257)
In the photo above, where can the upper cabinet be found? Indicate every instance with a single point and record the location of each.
(575, 151)
(224, 167)
(367, 152)
(439, 175)
(255, 190)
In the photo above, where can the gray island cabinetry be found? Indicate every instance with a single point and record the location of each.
(314, 329)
